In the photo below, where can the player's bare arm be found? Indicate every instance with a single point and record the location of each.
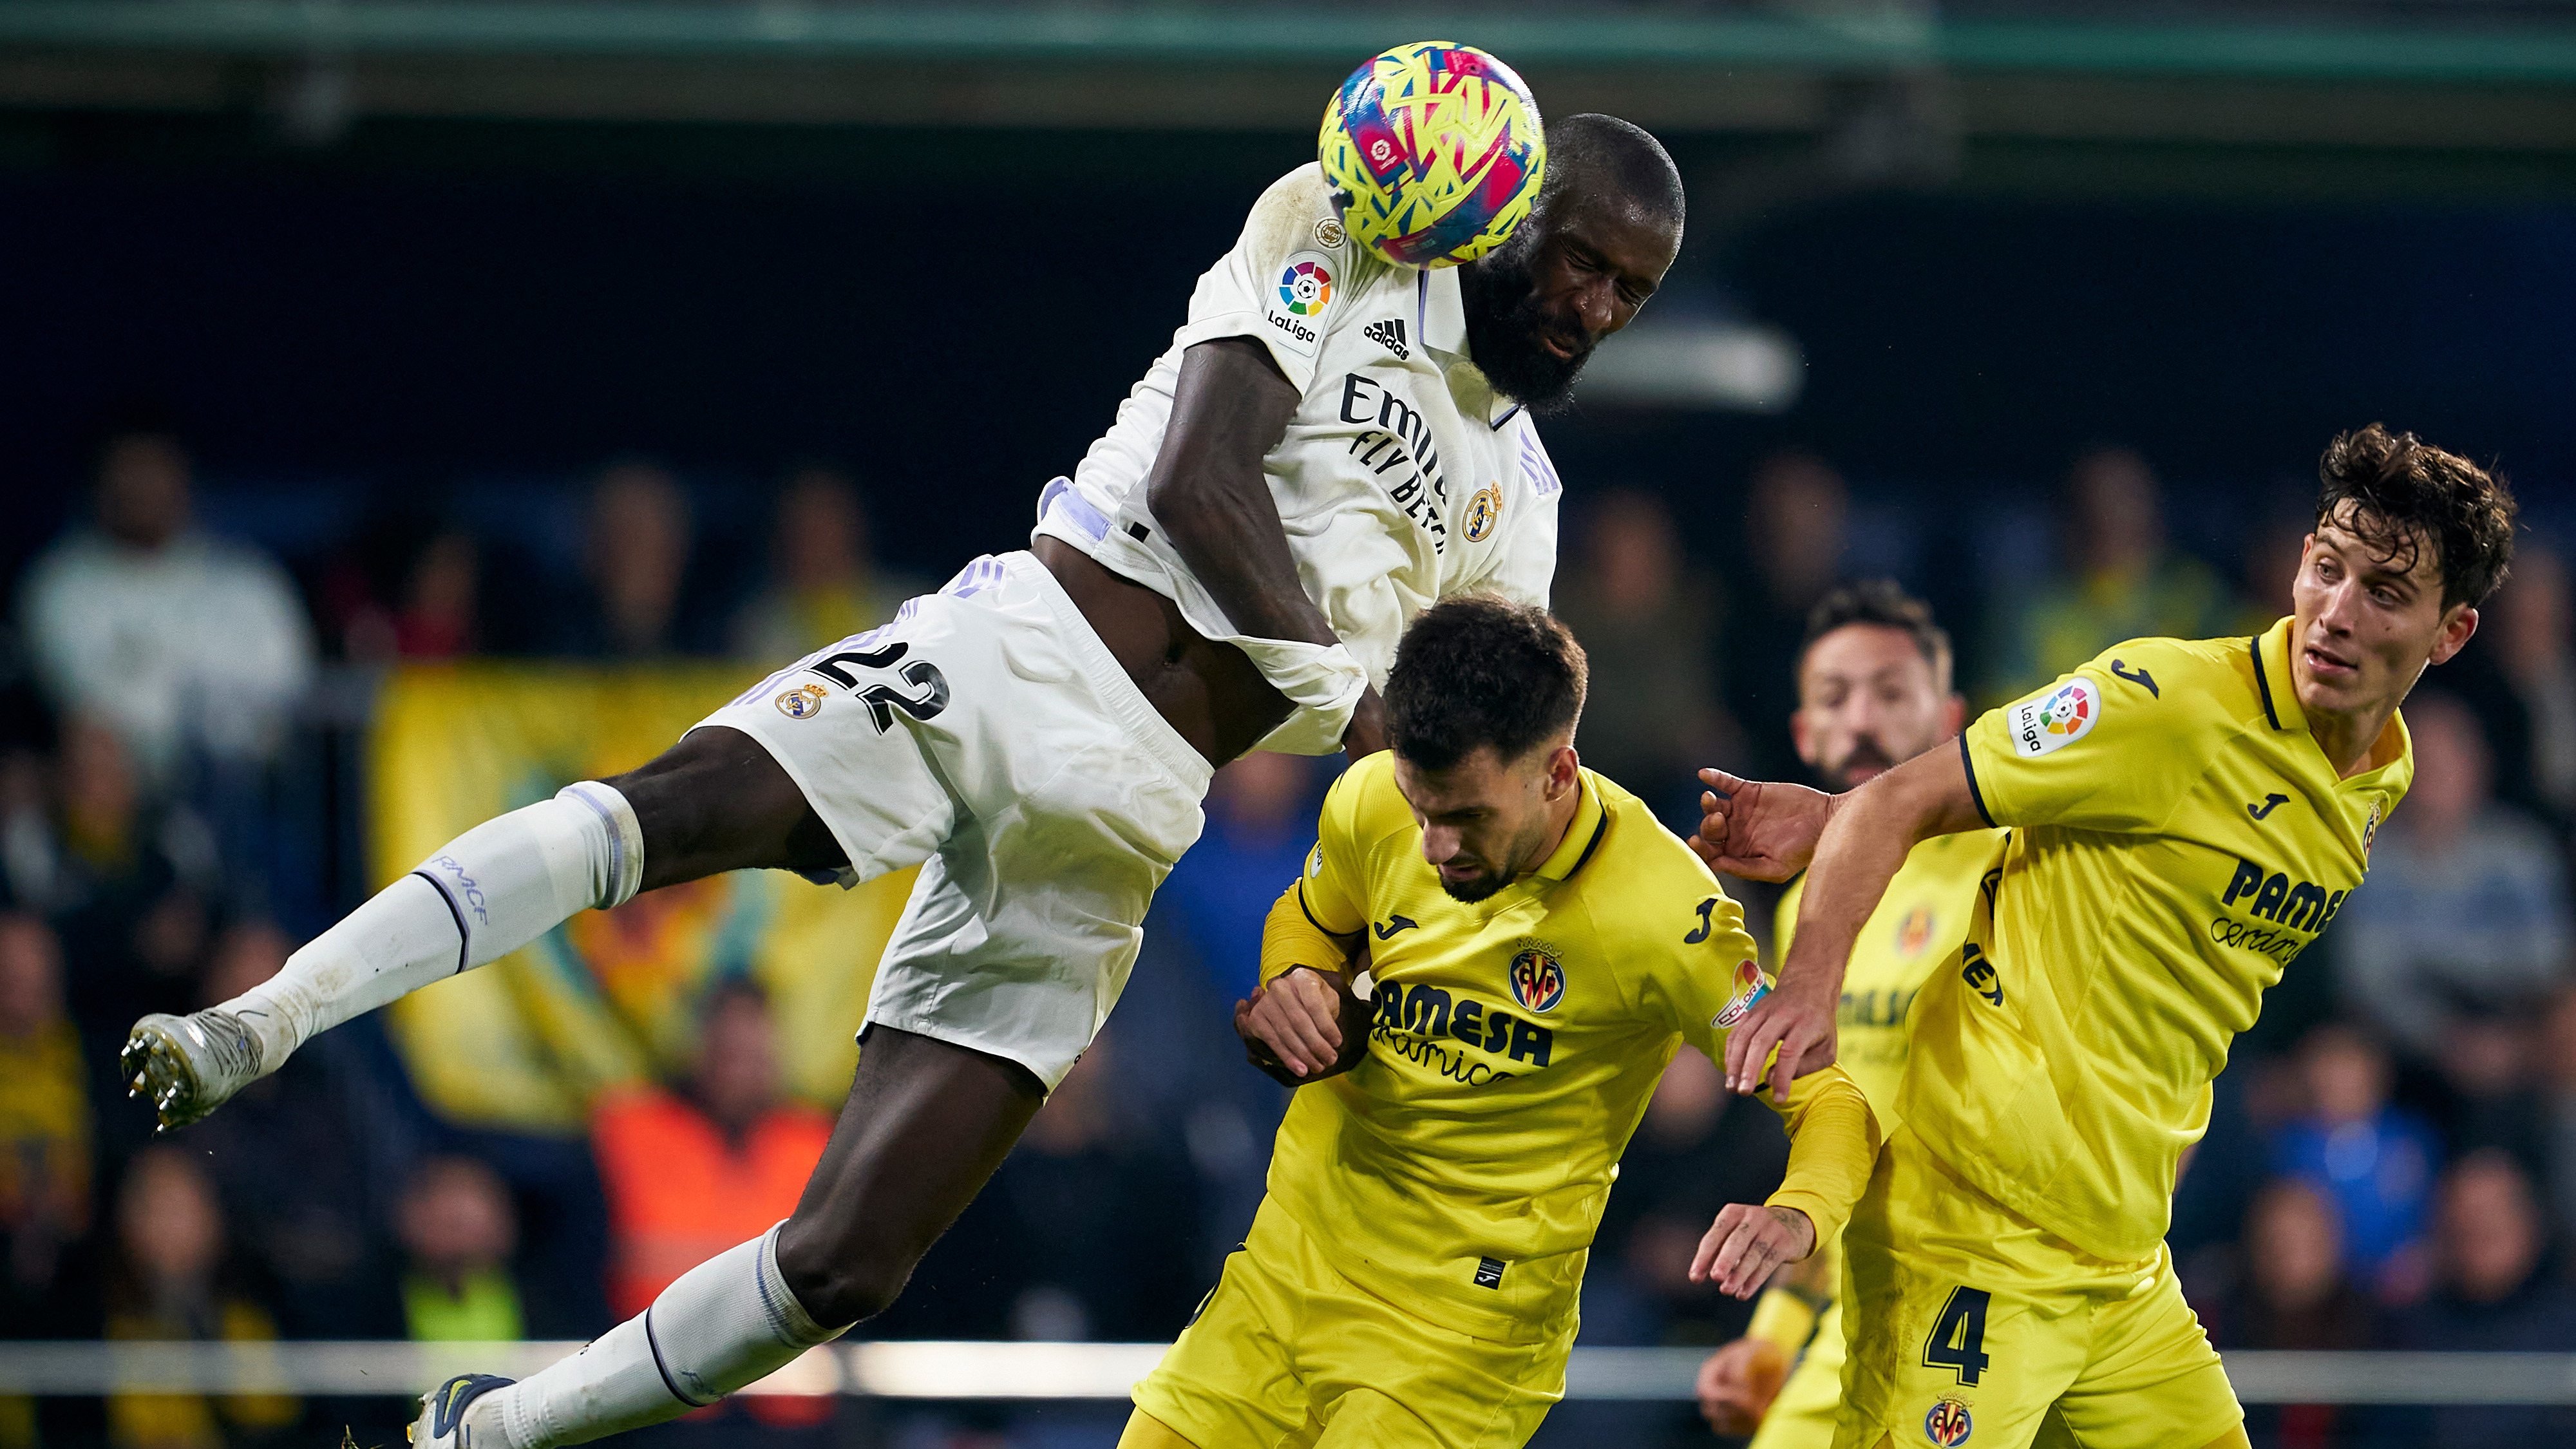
(1208, 492)
(1860, 841)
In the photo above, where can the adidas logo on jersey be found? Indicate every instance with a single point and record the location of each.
(1388, 334)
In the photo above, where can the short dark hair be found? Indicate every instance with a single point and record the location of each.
(2404, 490)
(1879, 602)
(1476, 670)
(1591, 149)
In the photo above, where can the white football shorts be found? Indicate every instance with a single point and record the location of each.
(989, 733)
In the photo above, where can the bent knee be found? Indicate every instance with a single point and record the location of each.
(839, 1284)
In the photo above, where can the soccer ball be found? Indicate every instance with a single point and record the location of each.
(1434, 153)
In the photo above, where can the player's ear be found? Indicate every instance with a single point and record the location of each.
(2458, 628)
(1562, 763)
(1954, 714)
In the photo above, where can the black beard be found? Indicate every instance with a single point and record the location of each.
(1504, 328)
(1864, 752)
(1479, 888)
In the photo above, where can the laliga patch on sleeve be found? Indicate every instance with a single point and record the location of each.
(2054, 720)
(1298, 298)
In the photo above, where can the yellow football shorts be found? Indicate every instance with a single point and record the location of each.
(1803, 1416)
(1972, 1325)
(1287, 1353)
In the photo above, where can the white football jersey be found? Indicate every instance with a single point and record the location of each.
(1403, 477)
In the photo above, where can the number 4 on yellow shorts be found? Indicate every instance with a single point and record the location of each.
(1958, 1338)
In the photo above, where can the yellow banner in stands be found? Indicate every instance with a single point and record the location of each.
(611, 996)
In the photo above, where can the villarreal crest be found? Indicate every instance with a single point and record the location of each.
(1538, 980)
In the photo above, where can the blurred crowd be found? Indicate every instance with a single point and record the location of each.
(2391, 1160)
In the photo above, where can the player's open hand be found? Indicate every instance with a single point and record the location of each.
(1797, 1020)
(1737, 1384)
(1758, 829)
(1748, 1241)
(1302, 1025)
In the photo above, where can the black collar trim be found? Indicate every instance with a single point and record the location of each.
(2263, 683)
(1599, 829)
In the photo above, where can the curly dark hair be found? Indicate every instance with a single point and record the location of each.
(1882, 602)
(1476, 670)
(2405, 492)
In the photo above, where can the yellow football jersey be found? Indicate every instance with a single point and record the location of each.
(1461, 1168)
(1919, 923)
(2178, 838)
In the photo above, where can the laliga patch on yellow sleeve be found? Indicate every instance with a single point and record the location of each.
(2057, 719)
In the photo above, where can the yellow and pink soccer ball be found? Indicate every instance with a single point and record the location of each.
(1434, 153)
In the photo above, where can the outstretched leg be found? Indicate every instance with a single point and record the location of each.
(716, 801)
(926, 1123)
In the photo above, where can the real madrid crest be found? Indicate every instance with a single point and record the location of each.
(1484, 511)
(803, 702)
(1537, 979)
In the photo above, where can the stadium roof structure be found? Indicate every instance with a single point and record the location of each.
(1255, 66)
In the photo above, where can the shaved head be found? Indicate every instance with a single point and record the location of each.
(1597, 157)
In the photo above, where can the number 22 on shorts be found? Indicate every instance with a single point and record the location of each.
(1958, 1340)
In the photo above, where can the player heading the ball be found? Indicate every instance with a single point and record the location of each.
(1330, 442)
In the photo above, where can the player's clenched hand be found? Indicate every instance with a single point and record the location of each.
(1797, 1017)
(1294, 1021)
(1758, 829)
(1746, 1243)
(1737, 1384)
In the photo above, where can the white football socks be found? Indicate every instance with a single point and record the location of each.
(723, 1325)
(490, 891)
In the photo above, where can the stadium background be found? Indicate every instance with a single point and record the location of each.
(401, 275)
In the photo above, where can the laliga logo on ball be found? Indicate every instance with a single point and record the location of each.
(1434, 153)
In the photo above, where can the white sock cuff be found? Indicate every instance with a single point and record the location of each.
(795, 1325)
(723, 1325)
(624, 871)
(728, 1322)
